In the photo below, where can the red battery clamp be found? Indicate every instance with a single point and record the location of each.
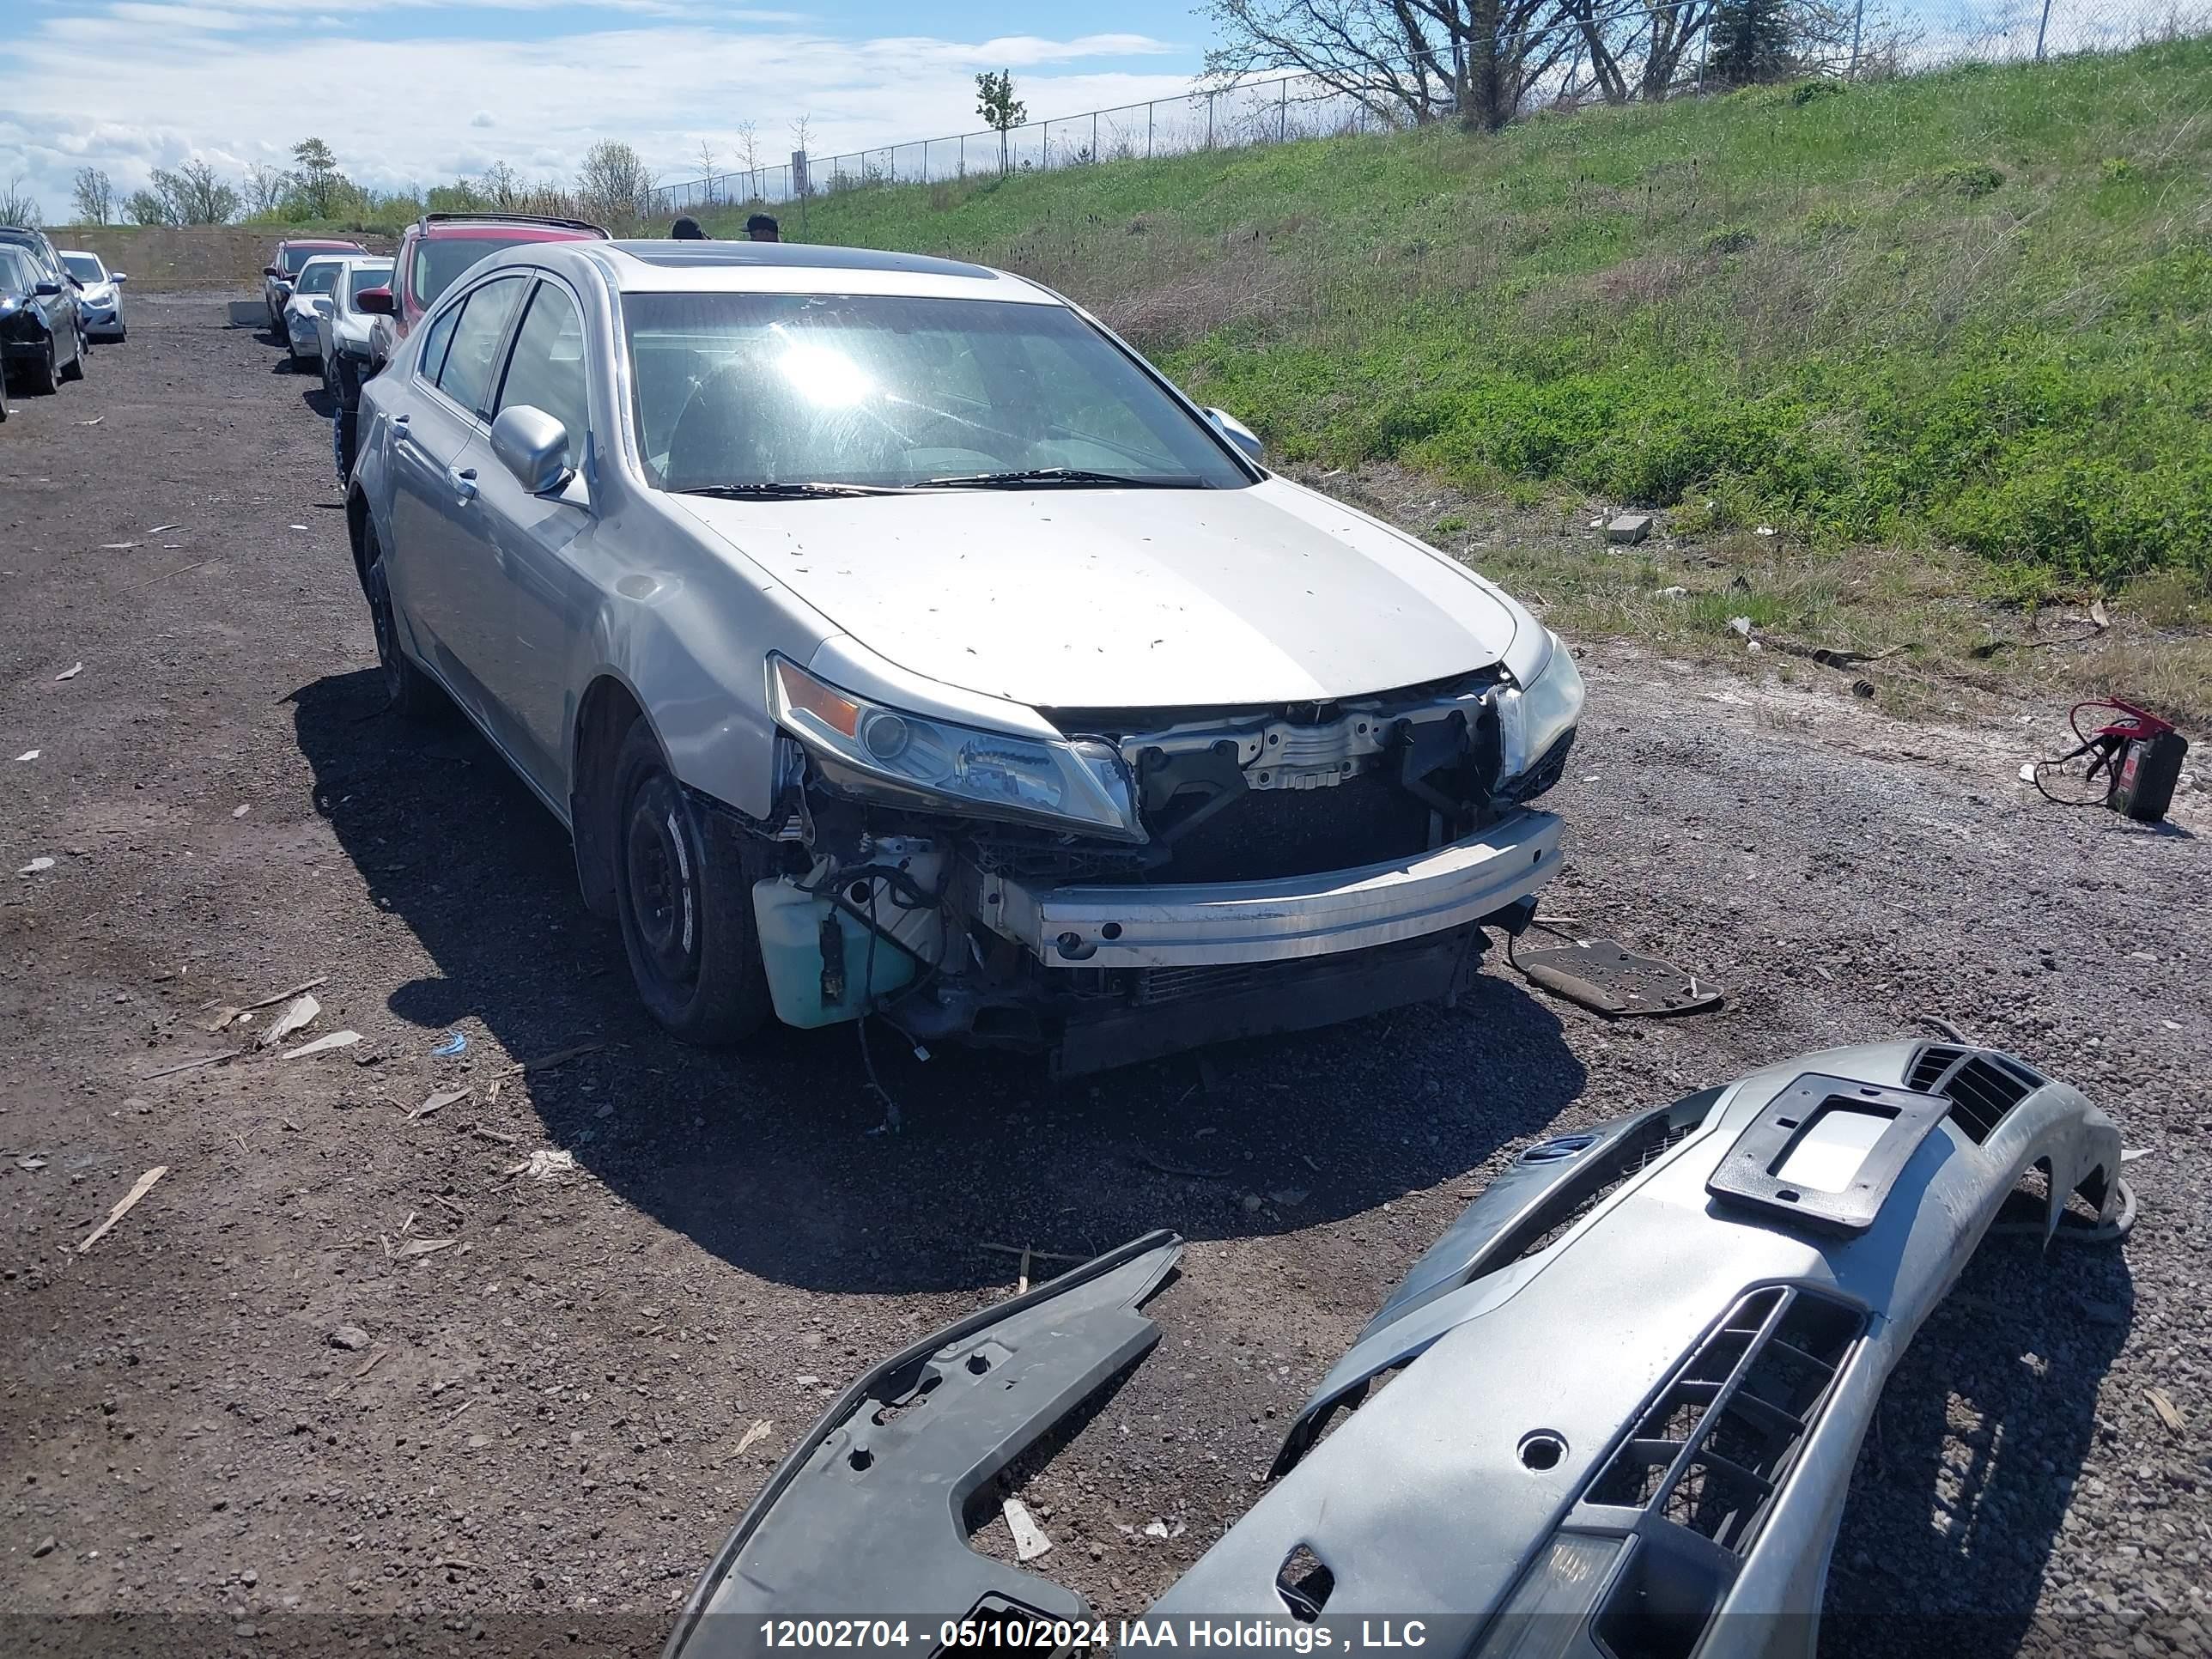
(2137, 756)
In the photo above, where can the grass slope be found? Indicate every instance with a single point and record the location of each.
(1970, 309)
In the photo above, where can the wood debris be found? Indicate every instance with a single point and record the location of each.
(143, 1186)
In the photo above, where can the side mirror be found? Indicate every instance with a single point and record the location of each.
(532, 446)
(272, 271)
(377, 302)
(46, 289)
(1239, 434)
(118, 275)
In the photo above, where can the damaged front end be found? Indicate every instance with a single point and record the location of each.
(1148, 882)
(1625, 1391)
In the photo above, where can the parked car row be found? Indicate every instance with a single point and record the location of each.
(339, 310)
(54, 303)
(894, 642)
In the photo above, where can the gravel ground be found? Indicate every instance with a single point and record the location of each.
(542, 1430)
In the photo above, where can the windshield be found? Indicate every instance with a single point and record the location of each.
(437, 262)
(319, 276)
(366, 277)
(747, 390)
(84, 267)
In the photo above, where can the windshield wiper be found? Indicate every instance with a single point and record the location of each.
(1074, 476)
(787, 492)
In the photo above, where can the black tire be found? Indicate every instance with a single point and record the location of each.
(684, 892)
(75, 371)
(411, 692)
(41, 376)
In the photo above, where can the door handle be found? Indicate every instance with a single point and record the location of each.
(463, 482)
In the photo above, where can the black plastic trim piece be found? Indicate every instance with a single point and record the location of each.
(1749, 1175)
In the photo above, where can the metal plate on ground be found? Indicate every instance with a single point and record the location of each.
(1604, 975)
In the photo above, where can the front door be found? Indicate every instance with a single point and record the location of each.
(438, 528)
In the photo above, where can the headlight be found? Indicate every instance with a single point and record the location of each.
(866, 747)
(1534, 717)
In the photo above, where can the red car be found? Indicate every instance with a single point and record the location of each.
(437, 248)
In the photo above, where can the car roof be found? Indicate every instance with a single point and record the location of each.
(332, 243)
(803, 268)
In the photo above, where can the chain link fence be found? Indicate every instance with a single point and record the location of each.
(1854, 40)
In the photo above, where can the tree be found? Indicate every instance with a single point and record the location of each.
(265, 187)
(17, 205)
(1634, 53)
(614, 183)
(145, 208)
(996, 103)
(749, 145)
(707, 166)
(1753, 40)
(319, 189)
(1415, 60)
(501, 187)
(194, 194)
(94, 195)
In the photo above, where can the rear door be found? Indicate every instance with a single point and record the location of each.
(437, 531)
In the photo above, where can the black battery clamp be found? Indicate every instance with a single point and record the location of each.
(2134, 762)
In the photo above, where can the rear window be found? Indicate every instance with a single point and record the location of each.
(439, 261)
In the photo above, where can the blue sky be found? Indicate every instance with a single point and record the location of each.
(414, 91)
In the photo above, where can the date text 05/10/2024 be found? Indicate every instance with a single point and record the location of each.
(1014, 1633)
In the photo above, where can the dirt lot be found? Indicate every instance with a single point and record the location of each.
(555, 1417)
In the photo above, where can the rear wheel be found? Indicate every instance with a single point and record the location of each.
(74, 370)
(408, 689)
(684, 896)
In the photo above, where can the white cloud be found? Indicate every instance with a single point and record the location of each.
(145, 83)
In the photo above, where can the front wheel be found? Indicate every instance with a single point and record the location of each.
(75, 370)
(684, 895)
(42, 376)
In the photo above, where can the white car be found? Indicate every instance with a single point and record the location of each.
(99, 295)
(312, 299)
(891, 638)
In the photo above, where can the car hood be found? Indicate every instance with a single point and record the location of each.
(1129, 599)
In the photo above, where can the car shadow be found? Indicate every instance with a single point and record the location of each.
(782, 1158)
(1965, 1478)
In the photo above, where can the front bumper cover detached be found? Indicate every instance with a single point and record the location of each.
(1626, 1389)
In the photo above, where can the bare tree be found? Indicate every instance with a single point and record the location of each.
(1415, 60)
(503, 188)
(802, 143)
(614, 183)
(749, 145)
(18, 206)
(1636, 51)
(195, 194)
(265, 188)
(95, 196)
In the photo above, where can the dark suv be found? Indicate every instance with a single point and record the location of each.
(437, 248)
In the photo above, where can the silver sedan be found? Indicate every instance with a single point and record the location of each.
(892, 639)
(99, 295)
(312, 297)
